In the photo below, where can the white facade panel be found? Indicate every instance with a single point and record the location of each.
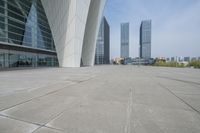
(91, 32)
(74, 25)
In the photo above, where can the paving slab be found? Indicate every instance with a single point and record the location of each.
(48, 130)
(8, 125)
(90, 117)
(100, 99)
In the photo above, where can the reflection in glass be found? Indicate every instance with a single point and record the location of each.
(24, 23)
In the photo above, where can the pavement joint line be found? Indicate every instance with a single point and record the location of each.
(194, 109)
(127, 128)
(42, 95)
(187, 94)
(13, 118)
(37, 124)
(80, 81)
(184, 81)
(36, 129)
(48, 128)
(53, 128)
(59, 114)
(28, 122)
(33, 99)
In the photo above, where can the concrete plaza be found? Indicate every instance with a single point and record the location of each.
(101, 99)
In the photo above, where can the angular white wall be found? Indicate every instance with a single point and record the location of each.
(70, 22)
(91, 31)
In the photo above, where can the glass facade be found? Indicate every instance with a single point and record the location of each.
(102, 54)
(145, 39)
(124, 40)
(12, 58)
(23, 23)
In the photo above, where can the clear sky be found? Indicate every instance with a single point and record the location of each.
(175, 25)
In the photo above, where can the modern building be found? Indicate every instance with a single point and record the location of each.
(102, 54)
(124, 40)
(139, 61)
(194, 59)
(145, 39)
(173, 59)
(187, 59)
(180, 59)
(167, 59)
(49, 32)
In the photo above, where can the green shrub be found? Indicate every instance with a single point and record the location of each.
(195, 64)
(168, 64)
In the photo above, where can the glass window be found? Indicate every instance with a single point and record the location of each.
(2, 60)
(25, 24)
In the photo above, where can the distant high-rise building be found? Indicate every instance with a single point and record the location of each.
(102, 55)
(187, 59)
(180, 59)
(145, 39)
(125, 40)
(193, 59)
(167, 59)
(173, 59)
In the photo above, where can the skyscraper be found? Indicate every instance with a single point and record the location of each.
(102, 55)
(124, 40)
(145, 39)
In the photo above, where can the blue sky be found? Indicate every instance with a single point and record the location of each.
(175, 25)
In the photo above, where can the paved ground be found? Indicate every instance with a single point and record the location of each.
(103, 99)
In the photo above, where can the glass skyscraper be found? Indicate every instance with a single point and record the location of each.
(124, 40)
(25, 36)
(145, 39)
(102, 54)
